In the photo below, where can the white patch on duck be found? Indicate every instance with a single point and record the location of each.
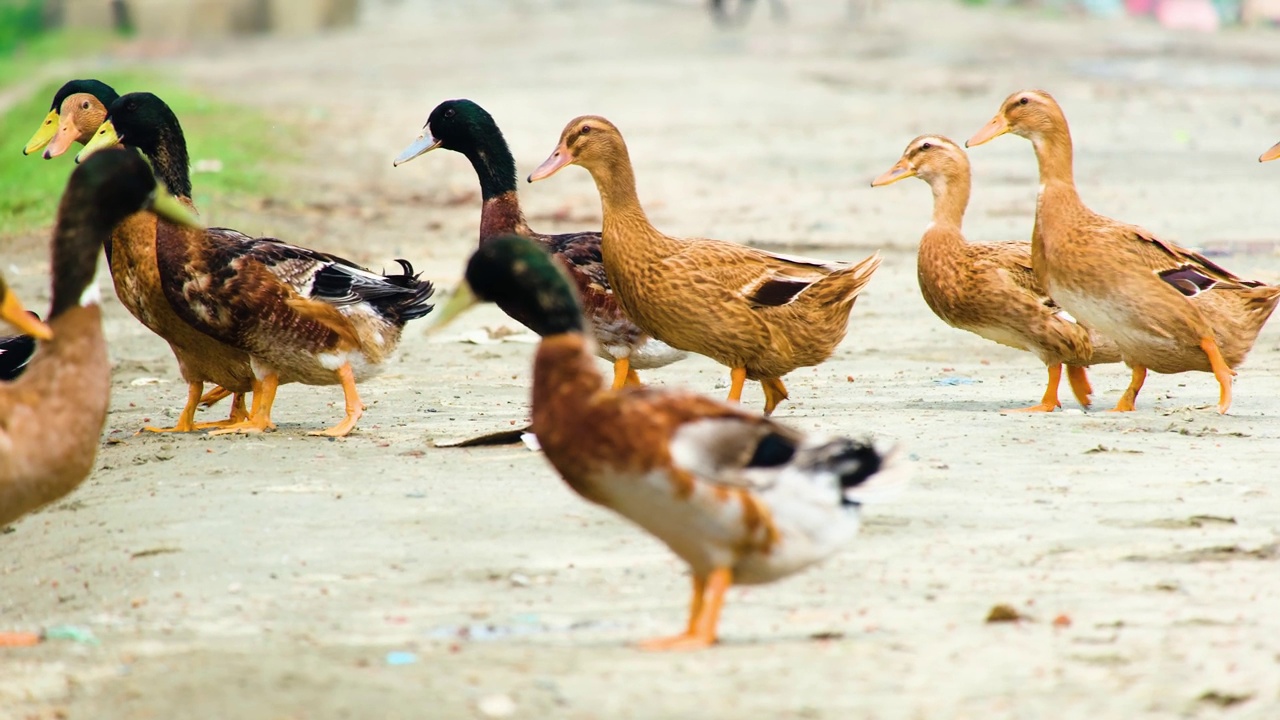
(91, 295)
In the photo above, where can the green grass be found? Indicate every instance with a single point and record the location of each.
(26, 57)
(241, 138)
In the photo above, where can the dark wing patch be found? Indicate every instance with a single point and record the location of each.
(773, 450)
(15, 353)
(1188, 280)
(775, 292)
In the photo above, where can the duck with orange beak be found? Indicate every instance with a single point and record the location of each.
(1272, 154)
(989, 289)
(1168, 309)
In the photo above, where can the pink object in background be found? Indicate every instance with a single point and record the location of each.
(1140, 7)
(1188, 15)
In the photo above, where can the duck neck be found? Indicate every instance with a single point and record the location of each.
(621, 208)
(496, 169)
(1054, 155)
(75, 255)
(950, 199)
(564, 378)
(169, 161)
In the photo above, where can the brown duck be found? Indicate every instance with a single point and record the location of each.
(1168, 309)
(989, 289)
(133, 257)
(465, 127)
(52, 416)
(758, 313)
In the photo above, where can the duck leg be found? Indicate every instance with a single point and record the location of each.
(633, 378)
(622, 372)
(737, 378)
(1130, 395)
(187, 419)
(1221, 370)
(259, 418)
(238, 413)
(355, 408)
(774, 393)
(1049, 402)
(1080, 387)
(214, 396)
(704, 616)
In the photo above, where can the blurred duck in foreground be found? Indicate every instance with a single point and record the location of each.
(738, 497)
(293, 314)
(1168, 309)
(760, 314)
(989, 289)
(52, 416)
(78, 108)
(464, 127)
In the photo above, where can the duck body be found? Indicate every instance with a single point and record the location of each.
(51, 418)
(297, 312)
(761, 314)
(465, 127)
(738, 497)
(1168, 309)
(990, 289)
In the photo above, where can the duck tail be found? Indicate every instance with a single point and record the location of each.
(413, 304)
(843, 286)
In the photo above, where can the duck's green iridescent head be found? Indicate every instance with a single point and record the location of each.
(514, 271)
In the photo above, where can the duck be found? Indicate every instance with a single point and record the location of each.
(295, 314)
(989, 289)
(131, 254)
(758, 313)
(76, 112)
(740, 498)
(52, 416)
(1271, 154)
(1168, 309)
(464, 127)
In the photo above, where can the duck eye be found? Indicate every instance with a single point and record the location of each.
(84, 105)
(926, 146)
(449, 113)
(585, 129)
(1023, 100)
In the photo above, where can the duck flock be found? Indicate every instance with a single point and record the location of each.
(739, 497)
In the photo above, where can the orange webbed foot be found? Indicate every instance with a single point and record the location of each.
(355, 408)
(676, 642)
(1041, 407)
(214, 396)
(1050, 401)
(1080, 386)
(1128, 401)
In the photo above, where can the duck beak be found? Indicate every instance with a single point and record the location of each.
(15, 314)
(1271, 154)
(992, 130)
(424, 144)
(67, 133)
(902, 169)
(552, 165)
(105, 137)
(463, 299)
(168, 207)
(44, 134)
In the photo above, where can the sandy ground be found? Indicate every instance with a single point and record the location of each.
(270, 577)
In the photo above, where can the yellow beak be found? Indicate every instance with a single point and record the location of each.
(105, 137)
(168, 207)
(42, 137)
(15, 314)
(902, 169)
(992, 130)
(463, 299)
(1271, 154)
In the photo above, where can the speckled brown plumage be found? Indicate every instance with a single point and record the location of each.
(753, 311)
(989, 288)
(1124, 281)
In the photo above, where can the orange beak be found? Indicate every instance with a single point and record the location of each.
(67, 134)
(560, 158)
(1271, 154)
(15, 314)
(901, 169)
(994, 129)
